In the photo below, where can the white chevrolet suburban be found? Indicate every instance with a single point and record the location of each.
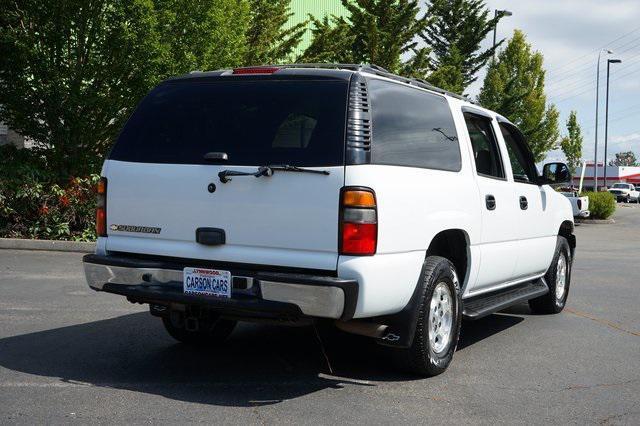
(305, 192)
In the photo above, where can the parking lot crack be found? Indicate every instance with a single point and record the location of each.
(603, 322)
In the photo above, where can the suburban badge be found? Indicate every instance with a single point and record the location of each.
(134, 228)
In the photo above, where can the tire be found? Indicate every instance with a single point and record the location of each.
(428, 356)
(209, 333)
(558, 278)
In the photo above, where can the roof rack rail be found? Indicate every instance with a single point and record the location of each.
(352, 67)
(378, 70)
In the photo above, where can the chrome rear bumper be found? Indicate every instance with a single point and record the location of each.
(153, 281)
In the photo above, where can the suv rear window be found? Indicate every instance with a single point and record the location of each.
(256, 122)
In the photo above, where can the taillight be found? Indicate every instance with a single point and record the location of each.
(255, 70)
(101, 208)
(358, 222)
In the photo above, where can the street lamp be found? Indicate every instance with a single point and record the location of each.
(497, 13)
(595, 159)
(606, 119)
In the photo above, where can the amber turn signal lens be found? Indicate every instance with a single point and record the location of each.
(102, 186)
(355, 198)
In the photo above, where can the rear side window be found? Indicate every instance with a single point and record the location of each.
(523, 169)
(485, 146)
(412, 127)
(256, 122)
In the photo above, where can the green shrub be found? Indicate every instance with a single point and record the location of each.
(601, 204)
(33, 204)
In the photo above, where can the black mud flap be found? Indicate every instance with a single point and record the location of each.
(402, 325)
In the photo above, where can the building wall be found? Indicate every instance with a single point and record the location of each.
(614, 174)
(301, 10)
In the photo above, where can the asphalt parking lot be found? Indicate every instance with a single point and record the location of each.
(68, 354)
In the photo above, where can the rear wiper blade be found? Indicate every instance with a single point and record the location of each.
(225, 175)
(289, 168)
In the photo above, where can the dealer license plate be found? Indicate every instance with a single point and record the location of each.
(208, 282)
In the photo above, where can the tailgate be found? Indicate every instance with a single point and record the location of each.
(288, 219)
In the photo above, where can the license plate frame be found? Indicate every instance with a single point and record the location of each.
(207, 282)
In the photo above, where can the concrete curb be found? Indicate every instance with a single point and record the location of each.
(48, 245)
(596, 221)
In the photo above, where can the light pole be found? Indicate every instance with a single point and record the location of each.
(606, 119)
(502, 13)
(595, 159)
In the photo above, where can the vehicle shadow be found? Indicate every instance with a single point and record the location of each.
(259, 365)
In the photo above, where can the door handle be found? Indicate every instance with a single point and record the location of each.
(490, 201)
(524, 204)
(210, 236)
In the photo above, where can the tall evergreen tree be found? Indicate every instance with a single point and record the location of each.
(572, 143)
(514, 87)
(268, 41)
(449, 74)
(455, 32)
(380, 32)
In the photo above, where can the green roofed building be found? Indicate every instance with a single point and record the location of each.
(301, 10)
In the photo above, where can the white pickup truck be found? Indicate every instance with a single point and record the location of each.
(580, 205)
(303, 193)
(625, 192)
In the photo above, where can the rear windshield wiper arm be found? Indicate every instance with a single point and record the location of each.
(225, 175)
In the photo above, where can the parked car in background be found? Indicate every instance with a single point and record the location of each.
(625, 192)
(580, 205)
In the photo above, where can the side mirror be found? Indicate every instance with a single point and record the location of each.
(555, 173)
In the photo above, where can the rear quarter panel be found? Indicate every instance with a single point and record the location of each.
(414, 205)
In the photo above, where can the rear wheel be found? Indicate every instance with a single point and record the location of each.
(198, 332)
(439, 318)
(558, 278)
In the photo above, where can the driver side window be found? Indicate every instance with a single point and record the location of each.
(523, 169)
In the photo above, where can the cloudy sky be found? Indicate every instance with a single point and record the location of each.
(569, 33)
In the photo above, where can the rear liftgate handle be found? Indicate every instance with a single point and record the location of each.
(490, 201)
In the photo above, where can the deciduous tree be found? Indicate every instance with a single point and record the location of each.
(514, 87)
(572, 143)
(201, 35)
(71, 71)
(627, 158)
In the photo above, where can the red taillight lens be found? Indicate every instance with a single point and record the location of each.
(101, 222)
(359, 222)
(359, 238)
(101, 208)
(255, 70)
